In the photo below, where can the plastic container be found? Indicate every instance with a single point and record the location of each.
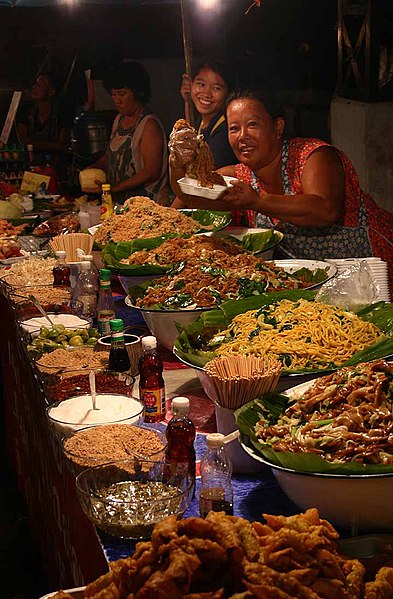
(151, 382)
(105, 305)
(85, 290)
(180, 436)
(118, 355)
(216, 492)
(106, 202)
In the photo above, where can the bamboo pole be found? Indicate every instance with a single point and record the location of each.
(187, 48)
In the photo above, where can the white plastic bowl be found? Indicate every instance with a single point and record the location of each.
(359, 503)
(70, 321)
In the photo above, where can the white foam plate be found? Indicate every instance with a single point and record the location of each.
(193, 188)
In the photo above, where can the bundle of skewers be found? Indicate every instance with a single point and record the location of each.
(70, 243)
(240, 379)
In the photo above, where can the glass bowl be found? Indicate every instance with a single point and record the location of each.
(75, 413)
(93, 446)
(127, 498)
(65, 312)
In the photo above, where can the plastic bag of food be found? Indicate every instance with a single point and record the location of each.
(57, 225)
(352, 289)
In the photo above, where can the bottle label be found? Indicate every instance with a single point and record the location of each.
(153, 400)
(118, 335)
(103, 318)
(105, 284)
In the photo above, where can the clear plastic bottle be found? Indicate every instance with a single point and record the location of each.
(85, 290)
(89, 258)
(180, 435)
(61, 272)
(105, 305)
(216, 492)
(151, 382)
(106, 202)
(119, 359)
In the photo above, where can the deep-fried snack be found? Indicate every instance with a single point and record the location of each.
(226, 557)
(382, 586)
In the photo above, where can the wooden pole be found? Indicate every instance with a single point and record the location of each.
(187, 48)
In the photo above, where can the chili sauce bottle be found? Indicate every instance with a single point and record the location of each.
(106, 202)
(61, 272)
(180, 435)
(151, 382)
(118, 356)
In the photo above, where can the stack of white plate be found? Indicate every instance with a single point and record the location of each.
(378, 270)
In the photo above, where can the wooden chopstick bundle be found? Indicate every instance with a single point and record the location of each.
(240, 379)
(70, 242)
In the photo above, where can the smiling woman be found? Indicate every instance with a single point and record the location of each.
(304, 187)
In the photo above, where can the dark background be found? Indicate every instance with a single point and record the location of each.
(289, 44)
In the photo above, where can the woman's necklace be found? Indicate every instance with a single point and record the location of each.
(135, 118)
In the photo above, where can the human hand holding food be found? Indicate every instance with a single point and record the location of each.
(183, 144)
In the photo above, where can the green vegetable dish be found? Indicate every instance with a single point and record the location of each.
(342, 423)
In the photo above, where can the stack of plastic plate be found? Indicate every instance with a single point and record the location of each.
(378, 270)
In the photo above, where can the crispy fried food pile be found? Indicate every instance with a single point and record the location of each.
(202, 167)
(225, 557)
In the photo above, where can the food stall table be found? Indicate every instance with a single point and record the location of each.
(71, 550)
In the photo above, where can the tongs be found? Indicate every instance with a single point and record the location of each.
(37, 304)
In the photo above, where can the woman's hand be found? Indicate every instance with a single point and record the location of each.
(183, 147)
(241, 196)
(185, 88)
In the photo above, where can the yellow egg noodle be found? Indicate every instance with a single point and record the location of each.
(301, 334)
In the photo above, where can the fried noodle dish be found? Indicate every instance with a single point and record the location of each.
(202, 167)
(346, 416)
(144, 218)
(210, 270)
(225, 557)
(300, 334)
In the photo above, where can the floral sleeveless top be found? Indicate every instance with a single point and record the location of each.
(366, 229)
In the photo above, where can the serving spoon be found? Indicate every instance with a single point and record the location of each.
(39, 307)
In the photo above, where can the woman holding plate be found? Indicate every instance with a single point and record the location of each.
(304, 187)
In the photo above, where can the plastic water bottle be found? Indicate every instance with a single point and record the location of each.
(85, 290)
(151, 382)
(180, 435)
(216, 492)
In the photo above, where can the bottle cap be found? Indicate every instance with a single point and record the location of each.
(105, 274)
(215, 440)
(106, 187)
(29, 147)
(61, 254)
(149, 342)
(180, 405)
(85, 265)
(116, 324)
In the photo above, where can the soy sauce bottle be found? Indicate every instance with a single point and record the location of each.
(61, 272)
(118, 355)
(151, 382)
(180, 435)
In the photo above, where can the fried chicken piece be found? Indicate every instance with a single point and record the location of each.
(382, 586)
(226, 535)
(249, 539)
(182, 124)
(195, 527)
(102, 582)
(164, 531)
(265, 582)
(220, 594)
(61, 595)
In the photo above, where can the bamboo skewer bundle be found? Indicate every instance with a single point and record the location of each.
(70, 242)
(240, 379)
